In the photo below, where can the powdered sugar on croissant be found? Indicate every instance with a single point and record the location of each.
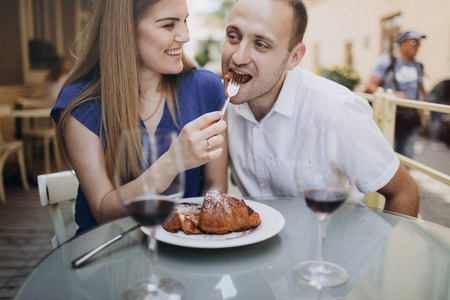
(219, 214)
(222, 213)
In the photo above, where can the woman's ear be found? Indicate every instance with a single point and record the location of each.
(296, 56)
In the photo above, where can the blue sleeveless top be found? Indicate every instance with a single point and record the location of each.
(199, 92)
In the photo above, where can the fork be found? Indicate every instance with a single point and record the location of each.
(232, 90)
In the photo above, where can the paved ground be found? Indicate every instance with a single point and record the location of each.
(435, 196)
(25, 233)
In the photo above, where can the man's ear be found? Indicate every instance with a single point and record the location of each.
(296, 56)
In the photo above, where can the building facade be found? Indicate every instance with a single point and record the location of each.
(30, 30)
(356, 32)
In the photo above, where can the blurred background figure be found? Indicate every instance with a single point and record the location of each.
(404, 75)
(56, 77)
(439, 94)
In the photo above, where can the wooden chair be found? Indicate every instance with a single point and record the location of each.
(7, 148)
(30, 103)
(39, 135)
(55, 188)
(39, 132)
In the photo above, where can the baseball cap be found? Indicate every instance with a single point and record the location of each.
(408, 35)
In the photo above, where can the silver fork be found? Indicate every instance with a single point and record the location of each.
(232, 90)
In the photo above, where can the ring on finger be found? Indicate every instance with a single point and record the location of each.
(207, 143)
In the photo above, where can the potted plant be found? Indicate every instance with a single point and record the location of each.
(344, 75)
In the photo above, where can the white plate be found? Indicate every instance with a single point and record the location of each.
(271, 223)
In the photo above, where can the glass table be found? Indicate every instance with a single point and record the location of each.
(387, 256)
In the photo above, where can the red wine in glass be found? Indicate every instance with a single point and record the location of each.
(150, 212)
(325, 201)
(150, 198)
(322, 181)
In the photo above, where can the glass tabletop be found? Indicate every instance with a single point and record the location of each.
(387, 256)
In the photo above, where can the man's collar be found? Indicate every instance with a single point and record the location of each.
(283, 105)
(244, 111)
(286, 99)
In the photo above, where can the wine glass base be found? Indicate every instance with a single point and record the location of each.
(162, 289)
(320, 274)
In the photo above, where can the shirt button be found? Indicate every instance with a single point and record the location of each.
(263, 186)
(257, 160)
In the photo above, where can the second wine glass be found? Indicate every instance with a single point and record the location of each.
(149, 197)
(324, 187)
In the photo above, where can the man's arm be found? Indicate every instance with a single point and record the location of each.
(373, 84)
(402, 194)
(424, 95)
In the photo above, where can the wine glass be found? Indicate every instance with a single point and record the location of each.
(139, 190)
(324, 187)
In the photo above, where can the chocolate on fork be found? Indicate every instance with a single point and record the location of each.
(238, 78)
(232, 89)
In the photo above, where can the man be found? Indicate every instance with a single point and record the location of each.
(269, 116)
(404, 76)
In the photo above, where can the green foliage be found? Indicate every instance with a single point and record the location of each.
(202, 57)
(344, 75)
(223, 10)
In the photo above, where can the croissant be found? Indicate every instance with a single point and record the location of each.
(223, 213)
(219, 214)
(185, 217)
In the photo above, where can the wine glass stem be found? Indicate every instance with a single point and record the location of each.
(152, 243)
(322, 225)
(153, 247)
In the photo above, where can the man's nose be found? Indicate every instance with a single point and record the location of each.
(241, 55)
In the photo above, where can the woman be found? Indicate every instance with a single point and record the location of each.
(133, 73)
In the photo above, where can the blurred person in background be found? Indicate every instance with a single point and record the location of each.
(404, 75)
(133, 73)
(55, 79)
(440, 94)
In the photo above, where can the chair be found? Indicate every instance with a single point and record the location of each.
(55, 188)
(39, 131)
(6, 148)
(31, 103)
(35, 133)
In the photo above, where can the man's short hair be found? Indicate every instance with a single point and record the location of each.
(300, 21)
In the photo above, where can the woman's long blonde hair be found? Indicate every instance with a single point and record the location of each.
(109, 61)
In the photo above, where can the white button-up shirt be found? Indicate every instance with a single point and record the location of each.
(265, 155)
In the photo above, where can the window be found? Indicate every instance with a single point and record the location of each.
(348, 54)
(41, 37)
(42, 34)
(390, 28)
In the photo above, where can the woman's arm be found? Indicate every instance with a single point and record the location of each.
(216, 171)
(193, 141)
(86, 155)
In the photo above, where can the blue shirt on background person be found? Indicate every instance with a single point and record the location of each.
(409, 75)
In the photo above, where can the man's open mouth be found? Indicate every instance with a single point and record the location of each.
(238, 77)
